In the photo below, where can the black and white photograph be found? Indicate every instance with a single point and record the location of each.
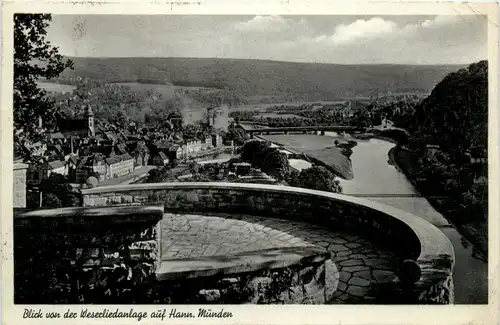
(250, 159)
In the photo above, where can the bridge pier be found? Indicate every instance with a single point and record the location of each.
(322, 132)
(304, 132)
(286, 132)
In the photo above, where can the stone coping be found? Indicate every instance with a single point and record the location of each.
(20, 165)
(204, 266)
(433, 243)
(110, 214)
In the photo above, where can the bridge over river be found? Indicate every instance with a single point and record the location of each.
(251, 130)
(322, 129)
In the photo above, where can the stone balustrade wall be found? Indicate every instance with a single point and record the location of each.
(257, 199)
(411, 237)
(76, 255)
(19, 190)
(110, 255)
(296, 282)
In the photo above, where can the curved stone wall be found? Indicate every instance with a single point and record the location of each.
(86, 255)
(113, 255)
(411, 237)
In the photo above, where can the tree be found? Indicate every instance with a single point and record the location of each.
(59, 186)
(34, 58)
(274, 163)
(237, 135)
(50, 200)
(254, 151)
(317, 178)
(194, 168)
(121, 120)
(456, 112)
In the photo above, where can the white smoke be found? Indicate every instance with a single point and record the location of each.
(191, 110)
(221, 117)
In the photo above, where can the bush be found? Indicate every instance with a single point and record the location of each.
(50, 200)
(59, 186)
(315, 178)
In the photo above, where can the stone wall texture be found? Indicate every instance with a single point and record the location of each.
(302, 283)
(80, 258)
(111, 255)
(19, 191)
(411, 237)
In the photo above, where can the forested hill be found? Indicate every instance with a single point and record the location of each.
(264, 78)
(455, 117)
(455, 114)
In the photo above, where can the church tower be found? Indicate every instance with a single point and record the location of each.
(89, 115)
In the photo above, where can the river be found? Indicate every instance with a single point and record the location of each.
(375, 178)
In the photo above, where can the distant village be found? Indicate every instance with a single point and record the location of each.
(83, 149)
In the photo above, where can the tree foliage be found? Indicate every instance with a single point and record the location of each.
(270, 160)
(160, 175)
(274, 163)
(237, 136)
(455, 118)
(315, 178)
(34, 58)
(51, 200)
(254, 151)
(455, 115)
(58, 186)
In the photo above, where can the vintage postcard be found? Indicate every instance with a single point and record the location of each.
(290, 163)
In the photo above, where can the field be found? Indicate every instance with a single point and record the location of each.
(267, 79)
(301, 142)
(296, 104)
(318, 147)
(55, 87)
(276, 115)
(166, 91)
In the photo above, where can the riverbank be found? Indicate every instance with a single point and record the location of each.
(318, 149)
(475, 233)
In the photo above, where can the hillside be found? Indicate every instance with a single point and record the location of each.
(455, 114)
(254, 78)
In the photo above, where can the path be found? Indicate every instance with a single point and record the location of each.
(362, 263)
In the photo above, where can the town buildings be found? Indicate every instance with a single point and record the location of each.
(79, 127)
(119, 165)
(160, 159)
(83, 147)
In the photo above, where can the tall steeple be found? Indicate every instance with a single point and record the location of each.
(89, 115)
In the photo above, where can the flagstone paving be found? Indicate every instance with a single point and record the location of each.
(361, 263)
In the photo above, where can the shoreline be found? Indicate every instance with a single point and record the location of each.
(472, 235)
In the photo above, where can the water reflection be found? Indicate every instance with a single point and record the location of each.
(377, 178)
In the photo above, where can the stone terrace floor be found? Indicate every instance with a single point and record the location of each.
(362, 263)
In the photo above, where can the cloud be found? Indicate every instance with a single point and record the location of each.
(428, 25)
(263, 24)
(362, 29)
(377, 29)
(331, 39)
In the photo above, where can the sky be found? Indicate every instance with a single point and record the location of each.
(326, 39)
